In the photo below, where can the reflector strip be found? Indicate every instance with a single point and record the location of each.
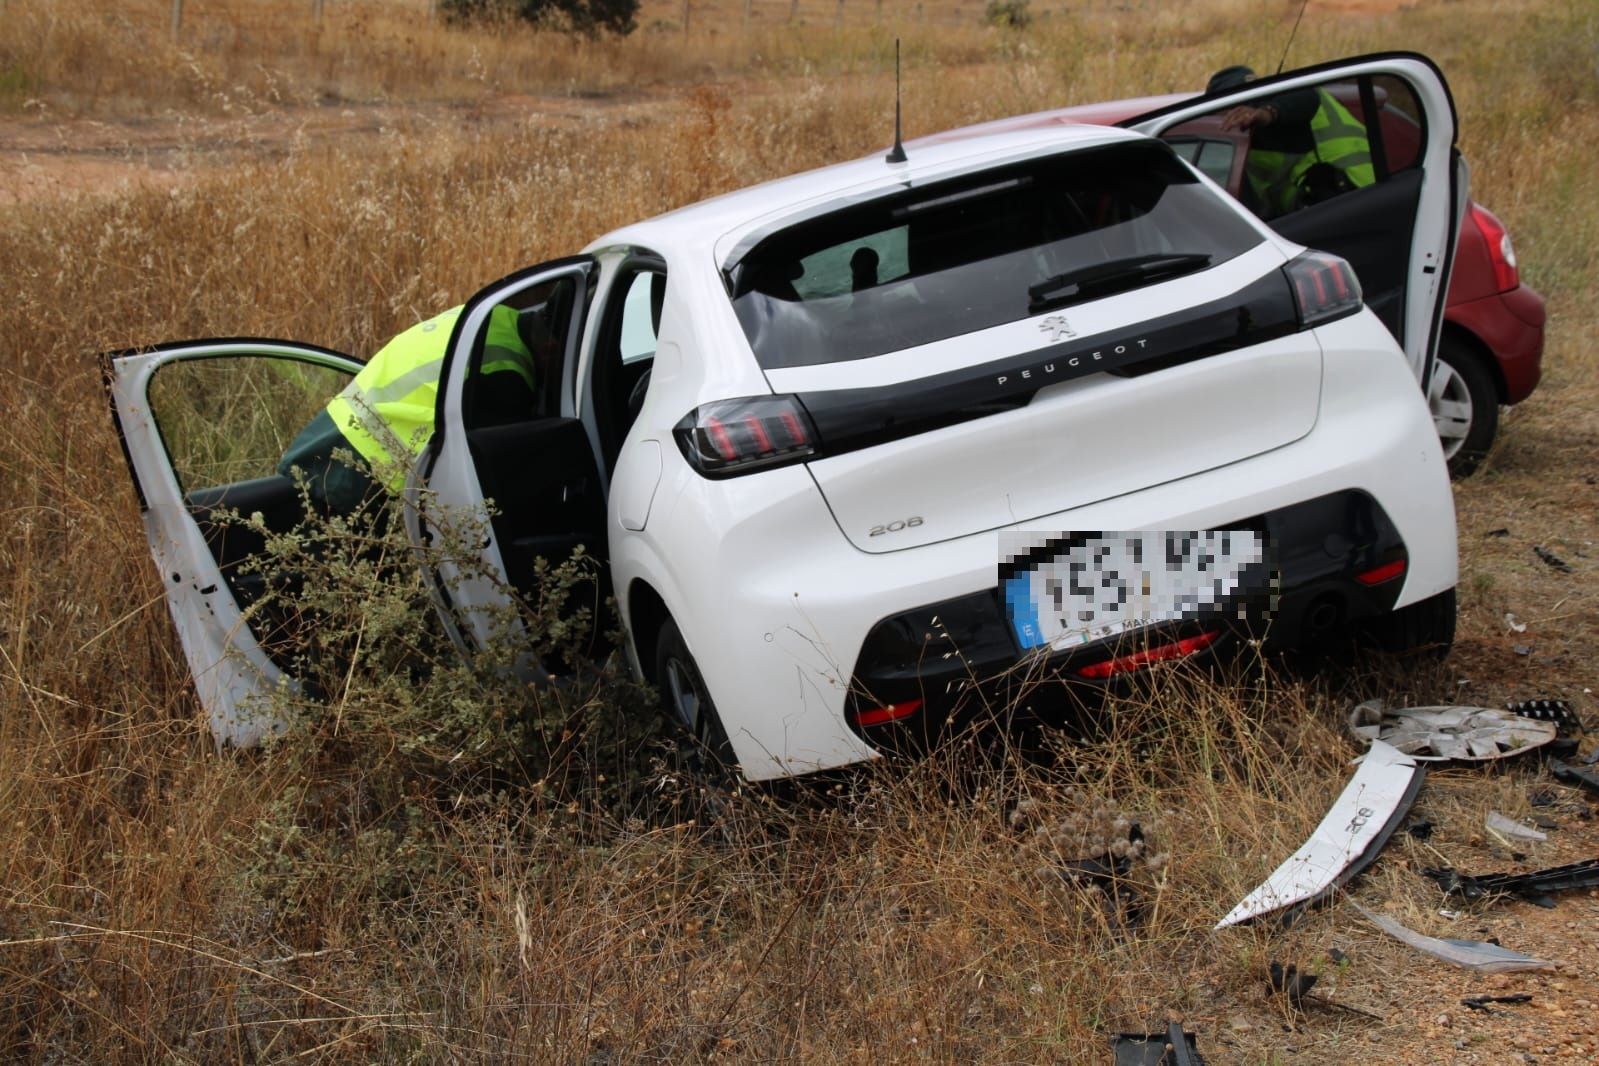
(1160, 653)
(1385, 572)
(891, 713)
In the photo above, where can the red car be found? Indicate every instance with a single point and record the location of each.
(1491, 347)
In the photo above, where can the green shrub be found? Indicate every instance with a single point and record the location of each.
(1011, 14)
(588, 17)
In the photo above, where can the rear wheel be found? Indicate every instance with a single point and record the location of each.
(1425, 628)
(1464, 405)
(687, 701)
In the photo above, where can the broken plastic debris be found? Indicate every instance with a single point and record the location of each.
(1481, 1002)
(1359, 823)
(1433, 734)
(1290, 982)
(1567, 723)
(1174, 1047)
(1468, 954)
(1534, 886)
(1512, 829)
(1515, 626)
(1574, 775)
(1551, 558)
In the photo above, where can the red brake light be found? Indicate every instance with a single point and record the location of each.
(893, 712)
(1385, 572)
(1159, 653)
(1500, 251)
(1325, 287)
(737, 436)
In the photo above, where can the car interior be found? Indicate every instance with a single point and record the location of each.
(1371, 227)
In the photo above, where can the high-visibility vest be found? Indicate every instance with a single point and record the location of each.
(386, 412)
(1340, 140)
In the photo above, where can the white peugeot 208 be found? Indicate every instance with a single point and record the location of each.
(862, 446)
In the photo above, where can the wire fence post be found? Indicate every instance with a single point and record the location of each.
(685, 17)
(177, 20)
(316, 11)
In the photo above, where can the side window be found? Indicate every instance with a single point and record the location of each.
(1306, 146)
(519, 359)
(231, 419)
(625, 350)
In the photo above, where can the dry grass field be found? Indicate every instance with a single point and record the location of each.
(348, 896)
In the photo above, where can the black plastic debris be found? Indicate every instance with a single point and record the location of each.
(1535, 887)
(1551, 559)
(1420, 829)
(1174, 1047)
(1573, 775)
(1109, 875)
(1336, 956)
(1566, 721)
(1481, 1002)
(1290, 982)
(1500, 532)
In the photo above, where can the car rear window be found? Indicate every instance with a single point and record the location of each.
(965, 254)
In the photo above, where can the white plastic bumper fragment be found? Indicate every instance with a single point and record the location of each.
(1470, 954)
(1459, 734)
(1360, 822)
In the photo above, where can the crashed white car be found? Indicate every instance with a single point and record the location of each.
(861, 446)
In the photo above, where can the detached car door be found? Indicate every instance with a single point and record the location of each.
(1383, 185)
(203, 426)
(520, 466)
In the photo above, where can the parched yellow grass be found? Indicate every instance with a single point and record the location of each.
(160, 903)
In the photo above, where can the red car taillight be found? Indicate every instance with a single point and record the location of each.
(739, 436)
(1325, 287)
(1501, 253)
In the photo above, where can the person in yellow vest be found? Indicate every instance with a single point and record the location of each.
(385, 415)
(1305, 147)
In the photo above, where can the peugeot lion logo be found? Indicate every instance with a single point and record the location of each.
(1058, 328)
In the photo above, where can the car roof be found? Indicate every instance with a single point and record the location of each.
(726, 225)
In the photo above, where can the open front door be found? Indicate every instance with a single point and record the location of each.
(513, 440)
(204, 425)
(1355, 157)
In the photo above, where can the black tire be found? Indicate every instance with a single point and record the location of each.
(686, 701)
(1473, 379)
(1425, 628)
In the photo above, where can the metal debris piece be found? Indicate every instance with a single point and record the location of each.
(1551, 559)
(1171, 1048)
(1512, 829)
(1534, 886)
(1566, 721)
(1481, 1002)
(1434, 734)
(1468, 954)
(1355, 829)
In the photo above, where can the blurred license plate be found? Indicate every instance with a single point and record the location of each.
(1084, 587)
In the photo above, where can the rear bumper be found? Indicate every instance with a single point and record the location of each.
(959, 660)
(1511, 326)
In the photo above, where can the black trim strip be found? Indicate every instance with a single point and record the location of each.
(850, 419)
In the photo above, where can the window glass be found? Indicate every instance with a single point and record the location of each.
(962, 255)
(1213, 156)
(1403, 130)
(229, 419)
(637, 339)
(519, 359)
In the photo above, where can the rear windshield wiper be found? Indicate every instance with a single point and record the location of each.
(1112, 276)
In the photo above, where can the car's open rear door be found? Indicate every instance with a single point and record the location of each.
(203, 425)
(1397, 221)
(527, 471)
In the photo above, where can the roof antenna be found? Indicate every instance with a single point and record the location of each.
(897, 153)
(1291, 34)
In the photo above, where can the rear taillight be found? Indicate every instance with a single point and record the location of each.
(1501, 253)
(1325, 287)
(1160, 653)
(738, 436)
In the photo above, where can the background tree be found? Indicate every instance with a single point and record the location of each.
(588, 17)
